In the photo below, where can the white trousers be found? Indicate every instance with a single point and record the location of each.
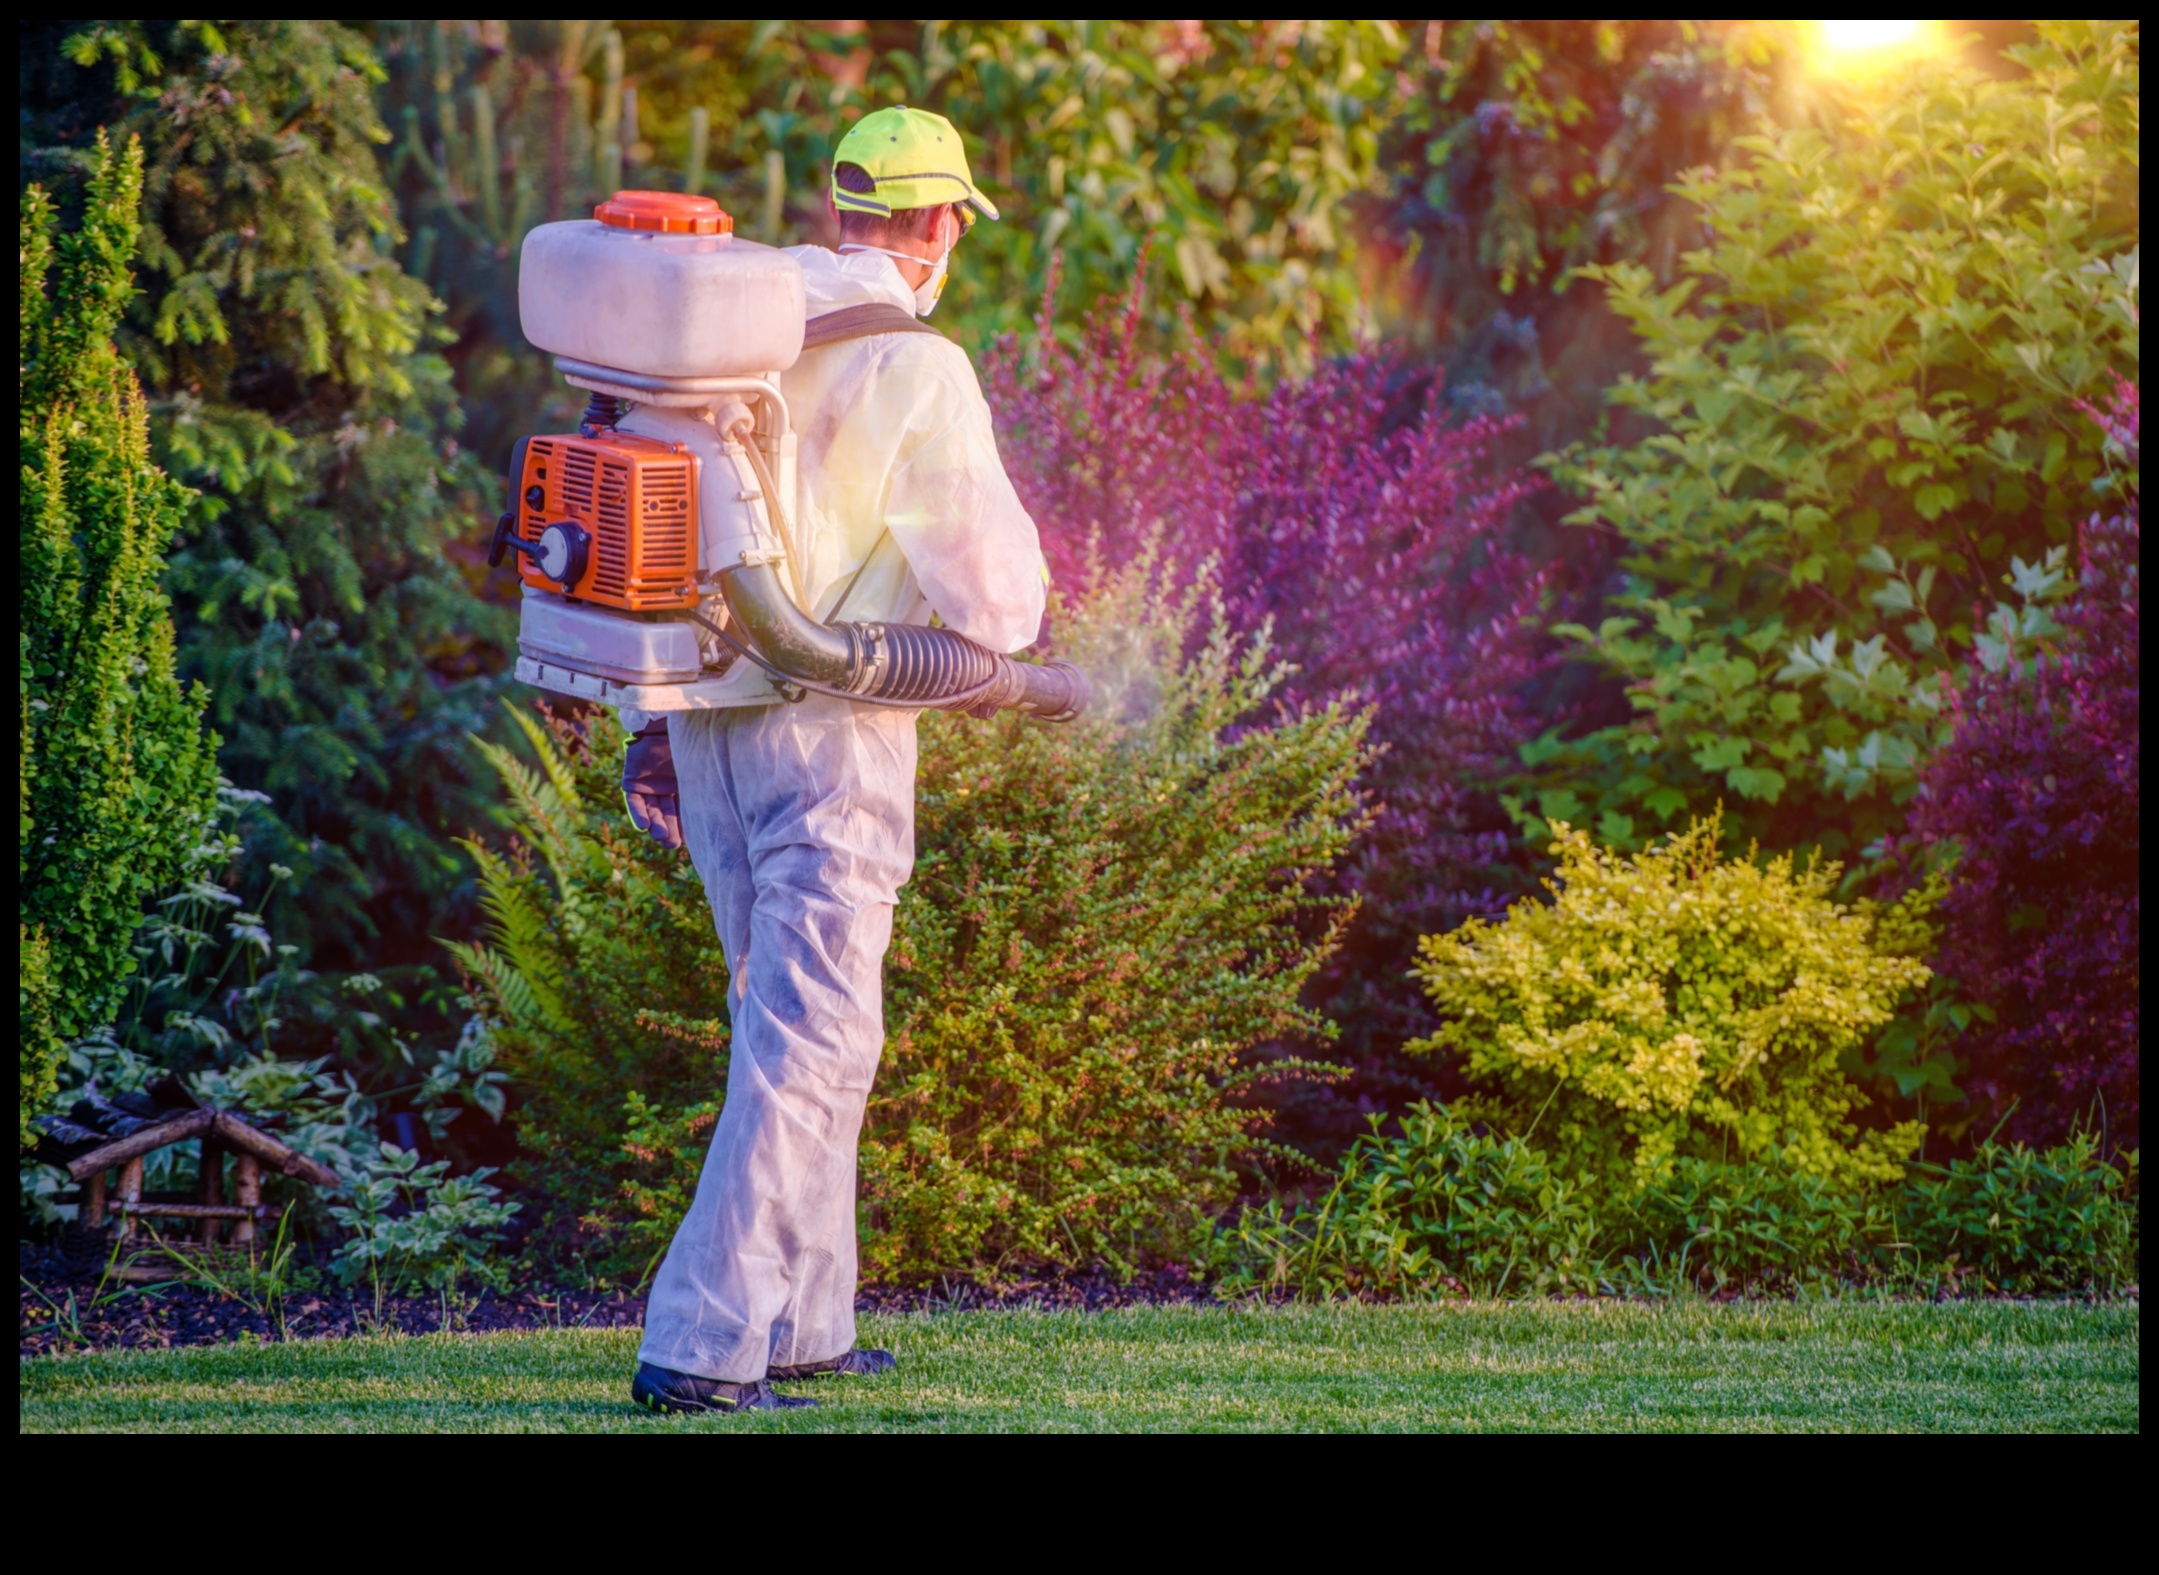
(800, 819)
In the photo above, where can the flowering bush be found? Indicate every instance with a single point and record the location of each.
(1369, 537)
(2039, 789)
(1671, 1004)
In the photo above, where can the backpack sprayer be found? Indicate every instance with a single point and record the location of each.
(655, 543)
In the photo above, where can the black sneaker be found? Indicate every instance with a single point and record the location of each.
(678, 1394)
(857, 1364)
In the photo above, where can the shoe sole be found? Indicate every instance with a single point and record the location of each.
(663, 1405)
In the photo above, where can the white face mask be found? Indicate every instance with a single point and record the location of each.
(928, 291)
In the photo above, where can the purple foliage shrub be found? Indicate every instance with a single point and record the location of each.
(1374, 538)
(2038, 787)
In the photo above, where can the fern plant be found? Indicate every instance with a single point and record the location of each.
(601, 978)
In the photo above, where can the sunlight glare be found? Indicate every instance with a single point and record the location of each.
(1852, 37)
(1866, 49)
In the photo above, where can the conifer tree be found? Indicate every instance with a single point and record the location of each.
(117, 782)
(294, 381)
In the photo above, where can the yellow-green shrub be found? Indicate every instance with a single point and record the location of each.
(1672, 1003)
(116, 780)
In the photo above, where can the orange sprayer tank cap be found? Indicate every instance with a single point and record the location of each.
(669, 211)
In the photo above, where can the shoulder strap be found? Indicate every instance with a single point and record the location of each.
(860, 322)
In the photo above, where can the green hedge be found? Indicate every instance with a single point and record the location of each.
(1442, 1207)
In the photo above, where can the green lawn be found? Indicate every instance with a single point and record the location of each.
(1606, 1367)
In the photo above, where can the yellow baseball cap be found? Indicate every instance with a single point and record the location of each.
(916, 159)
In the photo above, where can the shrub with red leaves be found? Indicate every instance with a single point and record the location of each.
(2039, 789)
(1373, 537)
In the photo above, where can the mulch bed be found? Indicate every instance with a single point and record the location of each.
(156, 1317)
(59, 1313)
(1085, 1290)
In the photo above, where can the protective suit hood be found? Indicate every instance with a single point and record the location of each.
(832, 280)
(898, 445)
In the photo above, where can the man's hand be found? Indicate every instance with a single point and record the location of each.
(648, 785)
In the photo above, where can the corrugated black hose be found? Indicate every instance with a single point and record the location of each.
(903, 666)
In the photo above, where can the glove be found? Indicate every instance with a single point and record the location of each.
(649, 790)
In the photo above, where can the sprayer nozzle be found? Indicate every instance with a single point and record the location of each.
(1055, 691)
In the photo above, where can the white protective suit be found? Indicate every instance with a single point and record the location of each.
(800, 819)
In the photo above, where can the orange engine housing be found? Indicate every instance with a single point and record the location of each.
(635, 496)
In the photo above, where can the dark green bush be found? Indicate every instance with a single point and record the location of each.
(2007, 1218)
(1755, 1227)
(1441, 1207)
(1102, 918)
(217, 1004)
(2012, 1218)
(1865, 392)
(294, 381)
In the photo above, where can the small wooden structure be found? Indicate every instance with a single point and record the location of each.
(221, 1133)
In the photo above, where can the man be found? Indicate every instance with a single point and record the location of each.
(800, 817)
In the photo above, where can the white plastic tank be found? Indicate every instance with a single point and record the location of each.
(657, 283)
